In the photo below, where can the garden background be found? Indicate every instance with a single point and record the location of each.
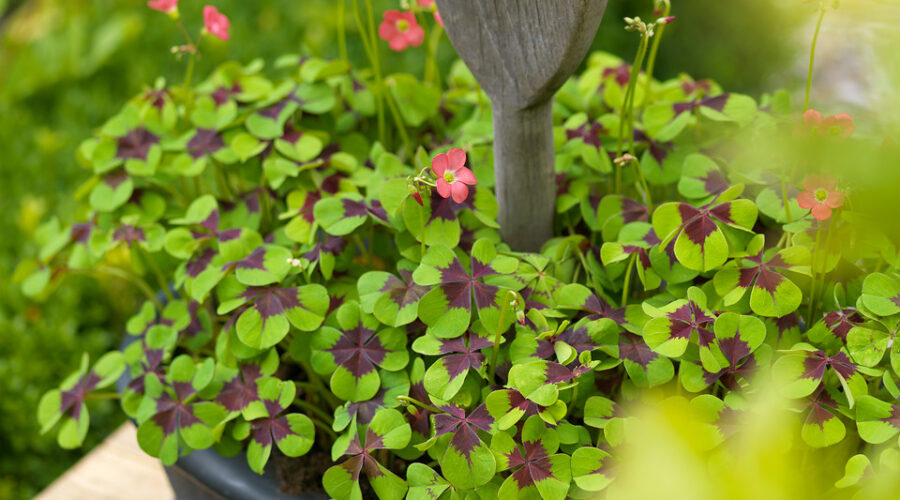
(66, 65)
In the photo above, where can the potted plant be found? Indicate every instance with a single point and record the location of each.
(325, 276)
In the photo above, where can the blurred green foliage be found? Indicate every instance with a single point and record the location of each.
(67, 65)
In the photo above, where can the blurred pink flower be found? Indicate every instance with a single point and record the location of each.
(840, 125)
(168, 6)
(215, 23)
(401, 30)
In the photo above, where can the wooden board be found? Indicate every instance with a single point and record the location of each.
(117, 469)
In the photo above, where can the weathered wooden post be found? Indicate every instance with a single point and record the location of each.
(521, 52)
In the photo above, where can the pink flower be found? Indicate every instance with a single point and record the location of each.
(820, 196)
(437, 18)
(452, 175)
(401, 30)
(840, 125)
(425, 3)
(215, 23)
(168, 6)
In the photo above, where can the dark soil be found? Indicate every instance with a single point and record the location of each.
(302, 474)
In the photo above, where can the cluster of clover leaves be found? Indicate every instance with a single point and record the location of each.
(299, 297)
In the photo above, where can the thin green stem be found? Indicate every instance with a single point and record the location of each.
(184, 33)
(342, 30)
(813, 281)
(639, 174)
(785, 200)
(222, 180)
(103, 395)
(379, 94)
(314, 410)
(319, 386)
(265, 209)
(635, 74)
(626, 111)
(324, 427)
(154, 268)
(189, 73)
(812, 55)
(398, 121)
(434, 39)
(627, 283)
(408, 400)
(422, 228)
(498, 336)
(376, 63)
(213, 316)
(651, 60)
(133, 279)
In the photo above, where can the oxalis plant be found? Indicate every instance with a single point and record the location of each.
(322, 267)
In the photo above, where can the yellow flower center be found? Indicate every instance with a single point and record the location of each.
(449, 177)
(402, 25)
(821, 194)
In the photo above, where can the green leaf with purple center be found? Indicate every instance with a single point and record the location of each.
(673, 325)
(393, 384)
(762, 272)
(822, 426)
(876, 420)
(700, 243)
(635, 241)
(353, 354)
(171, 422)
(268, 424)
(801, 370)
(342, 215)
(614, 211)
(66, 404)
(391, 299)
(880, 295)
(467, 462)
(701, 178)
(536, 469)
(388, 430)
(644, 367)
(457, 356)
(540, 381)
(508, 406)
(591, 468)
(447, 308)
(269, 312)
(736, 337)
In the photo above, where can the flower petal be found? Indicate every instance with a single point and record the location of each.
(443, 188)
(835, 199)
(821, 211)
(397, 44)
(457, 158)
(812, 117)
(415, 35)
(460, 191)
(465, 176)
(807, 200)
(439, 164)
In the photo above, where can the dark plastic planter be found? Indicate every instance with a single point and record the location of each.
(206, 475)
